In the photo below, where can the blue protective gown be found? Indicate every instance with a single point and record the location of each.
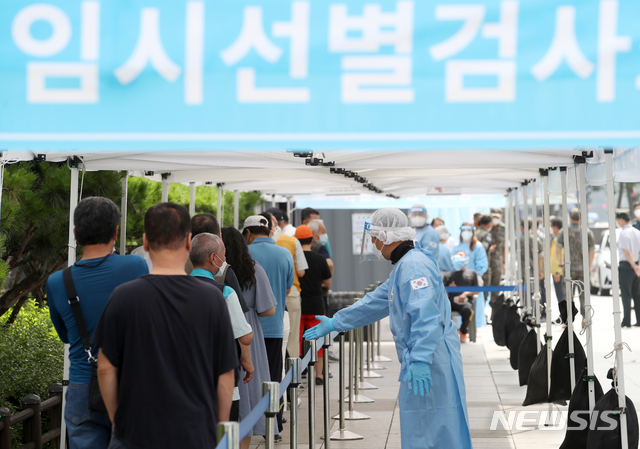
(477, 258)
(428, 238)
(444, 258)
(420, 320)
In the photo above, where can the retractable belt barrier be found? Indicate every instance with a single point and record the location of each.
(492, 288)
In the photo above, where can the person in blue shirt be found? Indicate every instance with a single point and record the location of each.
(278, 264)
(444, 255)
(426, 235)
(95, 276)
(432, 398)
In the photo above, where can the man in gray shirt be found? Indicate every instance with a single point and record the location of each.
(628, 268)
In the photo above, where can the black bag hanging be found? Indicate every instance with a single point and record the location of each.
(600, 434)
(498, 324)
(512, 319)
(560, 370)
(515, 340)
(527, 355)
(537, 386)
(96, 403)
(576, 438)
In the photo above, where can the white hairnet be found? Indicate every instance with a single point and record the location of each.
(443, 232)
(390, 225)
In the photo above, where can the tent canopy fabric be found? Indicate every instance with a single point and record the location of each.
(400, 173)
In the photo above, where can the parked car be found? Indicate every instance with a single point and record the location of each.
(601, 271)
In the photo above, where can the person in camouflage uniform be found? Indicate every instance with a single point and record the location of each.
(496, 258)
(575, 248)
(538, 241)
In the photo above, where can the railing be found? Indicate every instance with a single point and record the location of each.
(31, 416)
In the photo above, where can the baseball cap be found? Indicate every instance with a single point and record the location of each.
(276, 213)
(303, 232)
(496, 210)
(256, 220)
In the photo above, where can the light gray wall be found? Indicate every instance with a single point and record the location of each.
(349, 274)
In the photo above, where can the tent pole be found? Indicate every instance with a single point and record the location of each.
(165, 190)
(518, 258)
(123, 214)
(588, 311)
(220, 199)
(507, 240)
(236, 209)
(526, 278)
(289, 207)
(73, 202)
(567, 277)
(615, 292)
(192, 198)
(536, 262)
(547, 281)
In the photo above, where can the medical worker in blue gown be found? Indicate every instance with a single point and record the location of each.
(426, 234)
(432, 400)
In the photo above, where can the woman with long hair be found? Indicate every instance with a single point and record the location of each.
(261, 302)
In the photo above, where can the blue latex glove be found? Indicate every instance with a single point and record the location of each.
(325, 327)
(420, 377)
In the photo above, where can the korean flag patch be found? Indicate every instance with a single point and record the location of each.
(417, 284)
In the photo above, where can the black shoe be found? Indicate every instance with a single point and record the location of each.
(636, 325)
(319, 381)
(277, 438)
(625, 324)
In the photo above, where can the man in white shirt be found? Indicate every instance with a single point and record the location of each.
(629, 268)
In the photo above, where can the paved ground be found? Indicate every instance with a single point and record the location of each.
(492, 386)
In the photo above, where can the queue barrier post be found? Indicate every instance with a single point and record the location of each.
(359, 374)
(353, 381)
(272, 389)
(294, 365)
(325, 392)
(370, 356)
(311, 345)
(342, 434)
(232, 431)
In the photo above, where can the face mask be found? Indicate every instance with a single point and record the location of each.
(276, 234)
(418, 221)
(222, 268)
(377, 252)
(466, 236)
(495, 221)
(444, 236)
(459, 262)
(323, 239)
(637, 213)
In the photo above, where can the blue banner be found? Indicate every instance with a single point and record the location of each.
(153, 74)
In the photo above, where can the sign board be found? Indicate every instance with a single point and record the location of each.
(266, 74)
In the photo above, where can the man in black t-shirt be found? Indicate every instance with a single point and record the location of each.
(459, 301)
(317, 276)
(167, 354)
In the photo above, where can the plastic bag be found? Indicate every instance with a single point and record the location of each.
(537, 386)
(526, 356)
(515, 340)
(576, 438)
(498, 324)
(601, 436)
(560, 369)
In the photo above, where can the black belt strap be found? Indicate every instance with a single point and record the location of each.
(74, 302)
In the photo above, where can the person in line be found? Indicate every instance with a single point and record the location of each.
(556, 266)
(575, 249)
(291, 244)
(636, 214)
(95, 276)
(533, 239)
(318, 276)
(208, 223)
(629, 268)
(259, 296)
(496, 258)
(461, 277)
(278, 264)
(485, 237)
(287, 228)
(208, 256)
(166, 347)
(444, 255)
(426, 235)
(432, 398)
(476, 219)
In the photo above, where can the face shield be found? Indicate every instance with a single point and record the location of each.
(386, 235)
(466, 233)
(418, 216)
